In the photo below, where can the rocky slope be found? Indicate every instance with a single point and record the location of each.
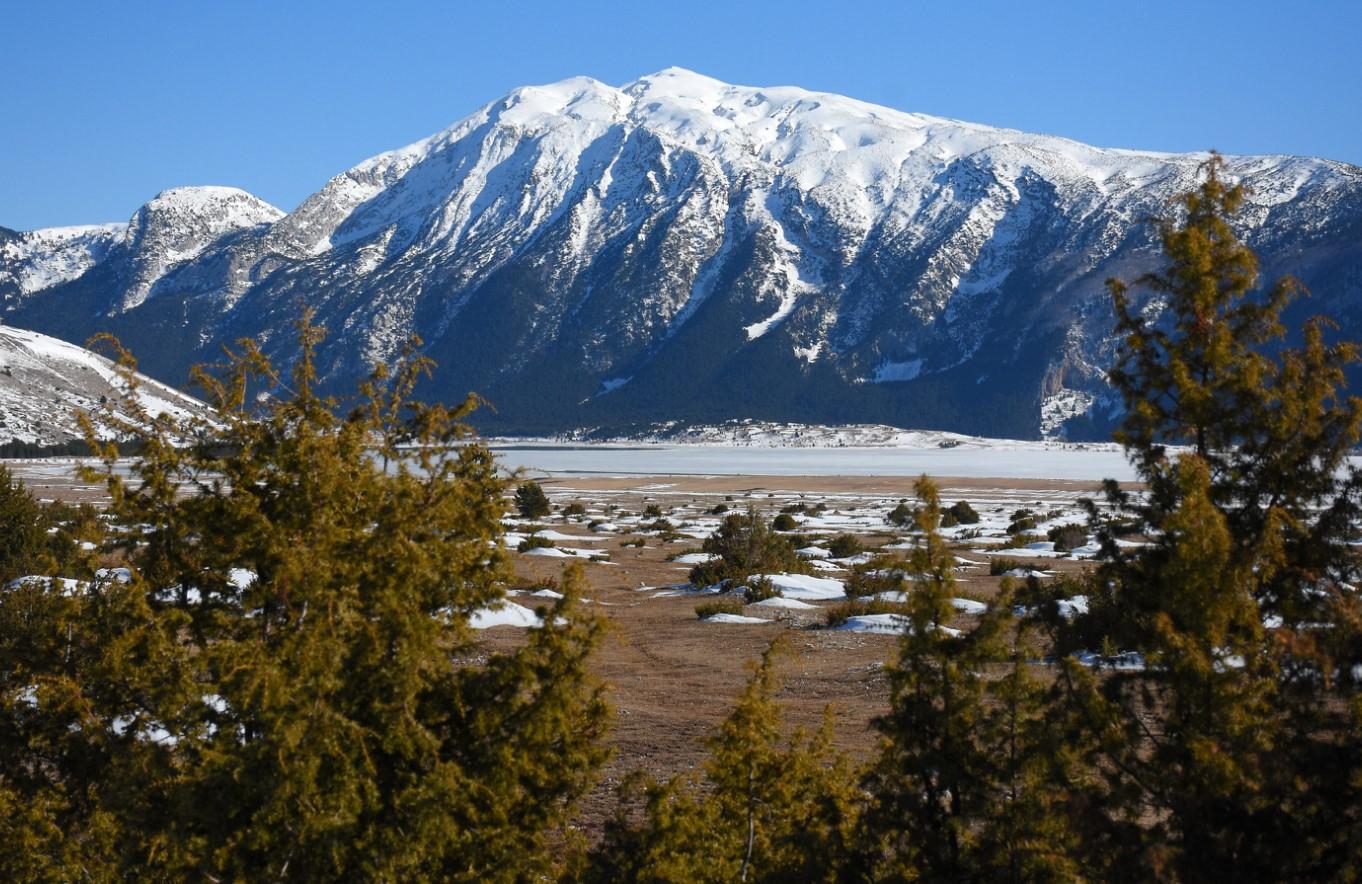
(45, 382)
(684, 249)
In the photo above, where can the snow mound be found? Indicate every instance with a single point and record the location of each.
(786, 604)
(879, 624)
(550, 534)
(694, 559)
(504, 614)
(884, 624)
(802, 586)
(734, 618)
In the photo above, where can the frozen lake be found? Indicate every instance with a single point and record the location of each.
(1019, 460)
(996, 460)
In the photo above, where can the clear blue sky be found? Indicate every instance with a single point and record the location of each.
(104, 104)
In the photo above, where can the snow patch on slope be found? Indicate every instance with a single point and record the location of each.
(1059, 407)
(889, 372)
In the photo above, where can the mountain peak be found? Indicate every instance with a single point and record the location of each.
(180, 223)
(229, 206)
(585, 253)
(676, 80)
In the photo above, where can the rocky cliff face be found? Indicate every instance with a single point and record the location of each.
(684, 249)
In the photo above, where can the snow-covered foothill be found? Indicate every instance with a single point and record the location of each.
(44, 382)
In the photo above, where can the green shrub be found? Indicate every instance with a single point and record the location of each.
(902, 515)
(25, 547)
(1123, 527)
(784, 522)
(997, 566)
(760, 590)
(1066, 537)
(882, 574)
(533, 542)
(844, 545)
(963, 513)
(841, 613)
(574, 511)
(718, 606)
(652, 511)
(745, 545)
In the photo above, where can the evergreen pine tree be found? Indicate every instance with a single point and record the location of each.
(1234, 753)
(961, 790)
(770, 808)
(531, 501)
(24, 544)
(287, 688)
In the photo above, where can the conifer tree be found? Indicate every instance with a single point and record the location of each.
(24, 545)
(1272, 423)
(771, 808)
(287, 687)
(1234, 753)
(961, 790)
(531, 501)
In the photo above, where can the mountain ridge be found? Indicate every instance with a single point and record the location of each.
(682, 248)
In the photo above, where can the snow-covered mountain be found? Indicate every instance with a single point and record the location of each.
(44, 382)
(684, 249)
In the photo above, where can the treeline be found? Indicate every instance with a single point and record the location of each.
(17, 449)
(283, 685)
